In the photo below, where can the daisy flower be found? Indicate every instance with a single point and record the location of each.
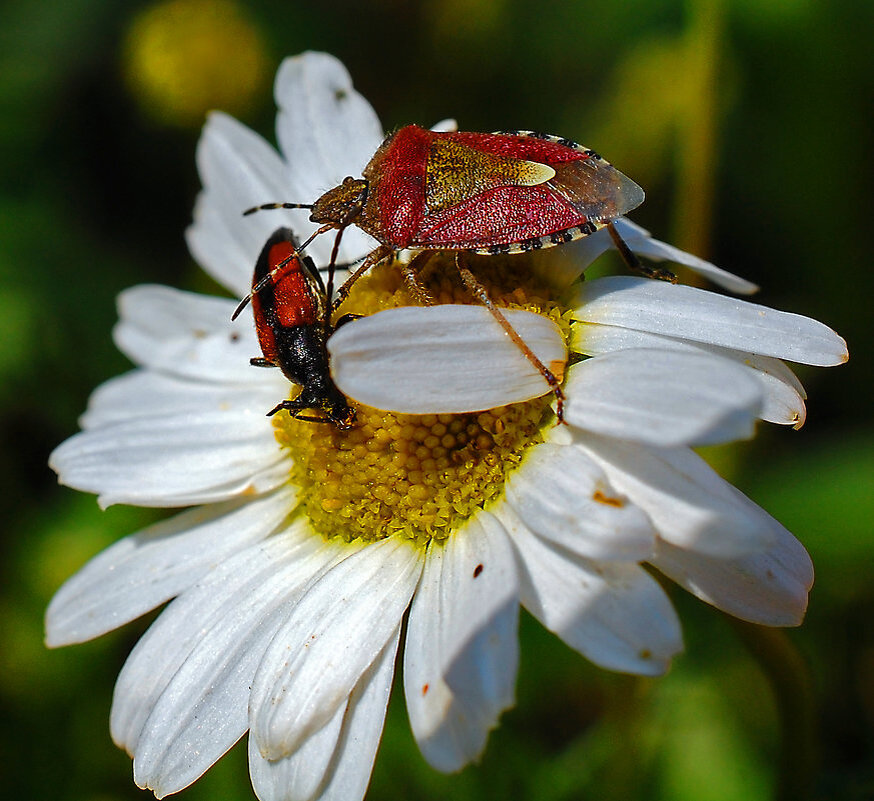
(309, 554)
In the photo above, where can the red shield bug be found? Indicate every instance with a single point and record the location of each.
(292, 321)
(509, 192)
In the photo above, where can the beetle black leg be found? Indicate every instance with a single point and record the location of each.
(347, 318)
(479, 291)
(260, 361)
(296, 411)
(308, 419)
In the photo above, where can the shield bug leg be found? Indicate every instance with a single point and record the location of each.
(635, 264)
(373, 258)
(479, 291)
(410, 272)
(260, 361)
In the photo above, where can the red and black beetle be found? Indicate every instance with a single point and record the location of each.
(292, 321)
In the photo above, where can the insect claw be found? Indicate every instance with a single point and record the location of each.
(278, 408)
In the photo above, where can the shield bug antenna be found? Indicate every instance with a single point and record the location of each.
(508, 192)
(292, 321)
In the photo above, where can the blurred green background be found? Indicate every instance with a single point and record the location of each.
(749, 124)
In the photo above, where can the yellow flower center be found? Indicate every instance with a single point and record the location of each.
(417, 476)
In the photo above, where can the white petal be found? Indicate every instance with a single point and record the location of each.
(614, 614)
(146, 393)
(296, 777)
(768, 588)
(173, 636)
(690, 505)
(181, 460)
(196, 699)
(563, 496)
(462, 649)
(448, 125)
(352, 760)
(783, 400)
(238, 170)
(662, 398)
(690, 313)
(187, 335)
(448, 358)
(336, 632)
(326, 131)
(148, 568)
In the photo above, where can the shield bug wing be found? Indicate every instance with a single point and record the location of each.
(291, 313)
(597, 189)
(510, 192)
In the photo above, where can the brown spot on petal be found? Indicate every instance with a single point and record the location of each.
(607, 500)
(425, 688)
(477, 570)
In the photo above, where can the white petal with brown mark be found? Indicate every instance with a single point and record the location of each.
(566, 498)
(462, 647)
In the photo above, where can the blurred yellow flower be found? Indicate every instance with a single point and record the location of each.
(185, 57)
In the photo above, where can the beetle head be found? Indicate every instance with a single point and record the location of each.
(321, 394)
(342, 204)
(336, 408)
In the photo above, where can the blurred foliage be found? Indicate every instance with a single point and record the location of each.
(749, 125)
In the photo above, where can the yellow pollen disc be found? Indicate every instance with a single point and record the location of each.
(415, 476)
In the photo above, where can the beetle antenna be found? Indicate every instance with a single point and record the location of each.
(268, 206)
(269, 277)
(241, 305)
(319, 232)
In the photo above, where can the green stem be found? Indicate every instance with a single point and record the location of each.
(697, 126)
(790, 680)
